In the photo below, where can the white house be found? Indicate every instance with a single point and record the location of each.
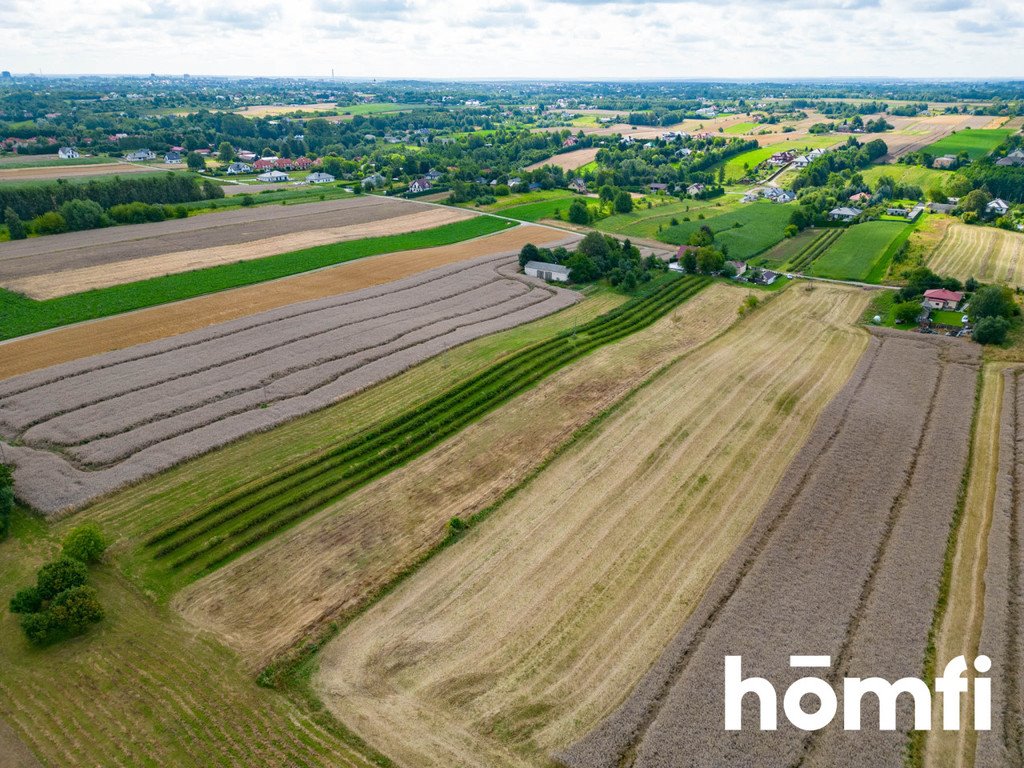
(140, 155)
(271, 177)
(843, 214)
(694, 189)
(319, 177)
(578, 185)
(420, 185)
(547, 271)
(172, 158)
(999, 207)
(67, 153)
(236, 168)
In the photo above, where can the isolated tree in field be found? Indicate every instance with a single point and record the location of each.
(15, 226)
(195, 161)
(906, 312)
(85, 544)
(63, 573)
(529, 252)
(991, 330)
(623, 202)
(225, 152)
(578, 213)
(701, 237)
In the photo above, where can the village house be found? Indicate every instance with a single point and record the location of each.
(245, 155)
(318, 177)
(1013, 158)
(265, 164)
(420, 185)
(941, 207)
(781, 158)
(578, 185)
(236, 168)
(801, 161)
(997, 207)
(940, 298)
(695, 189)
(140, 155)
(843, 214)
(572, 141)
(271, 177)
(944, 162)
(547, 271)
(67, 153)
(861, 197)
(301, 163)
(172, 158)
(739, 266)
(432, 175)
(657, 187)
(373, 180)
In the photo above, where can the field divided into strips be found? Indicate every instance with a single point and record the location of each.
(746, 231)
(861, 252)
(845, 558)
(985, 253)
(518, 638)
(87, 427)
(341, 558)
(215, 534)
(645, 222)
(20, 315)
(144, 689)
(976, 142)
(805, 258)
(1002, 630)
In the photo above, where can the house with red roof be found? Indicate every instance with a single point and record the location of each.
(940, 298)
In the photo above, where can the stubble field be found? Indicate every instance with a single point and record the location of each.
(985, 253)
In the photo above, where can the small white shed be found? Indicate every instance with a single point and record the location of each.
(547, 271)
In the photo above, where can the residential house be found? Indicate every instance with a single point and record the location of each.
(572, 141)
(301, 163)
(843, 214)
(432, 175)
(172, 158)
(941, 207)
(751, 196)
(739, 266)
(67, 153)
(271, 177)
(514, 182)
(997, 207)
(204, 152)
(140, 155)
(265, 164)
(318, 177)
(784, 196)
(861, 197)
(236, 168)
(695, 189)
(374, 180)
(766, 277)
(420, 185)
(683, 250)
(657, 188)
(684, 152)
(944, 162)
(801, 161)
(578, 185)
(547, 271)
(1013, 158)
(940, 298)
(245, 155)
(782, 158)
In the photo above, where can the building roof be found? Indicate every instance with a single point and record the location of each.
(844, 212)
(545, 266)
(941, 294)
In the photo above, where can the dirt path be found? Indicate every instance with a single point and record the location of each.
(92, 338)
(13, 751)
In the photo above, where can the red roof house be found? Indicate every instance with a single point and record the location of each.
(940, 298)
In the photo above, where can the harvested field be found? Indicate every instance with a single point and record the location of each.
(108, 334)
(87, 427)
(48, 286)
(16, 754)
(986, 253)
(568, 161)
(844, 561)
(355, 547)
(12, 173)
(238, 227)
(1002, 638)
(516, 640)
(914, 134)
(960, 630)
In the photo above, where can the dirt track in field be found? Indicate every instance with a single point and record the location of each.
(120, 272)
(15, 174)
(520, 638)
(74, 250)
(844, 561)
(93, 338)
(84, 428)
(359, 544)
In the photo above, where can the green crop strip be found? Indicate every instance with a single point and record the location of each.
(216, 534)
(813, 250)
(20, 315)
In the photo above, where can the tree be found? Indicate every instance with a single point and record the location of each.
(709, 260)
(701, 237)
(991, 301)
(82, 214)
(15, 226)
(595, 247)
(225, 152)
(74, 609)
(629, 282)
(937, 194)
(195, 161)
(991, 330)
(690, 261)
(529, 252)
(578, 212)
(26, 600)
(906, 312)
(623, 202)
(85, 544)
(63, 573)
(975, 201)
(607, 194)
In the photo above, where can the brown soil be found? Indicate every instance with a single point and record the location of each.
(568, 161)
(12, 174)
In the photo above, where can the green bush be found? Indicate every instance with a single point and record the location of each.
(26, 600)
(991, 301)
(85, 544)
(906, 312)
(15, 226)
(63, 573)
(69, 614)
(82, 214)
(50, 223)
(991, 330)
(137, 213)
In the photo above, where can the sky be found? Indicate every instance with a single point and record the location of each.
(549, 39)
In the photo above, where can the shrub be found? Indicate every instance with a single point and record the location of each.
(906, 312)
(85, 544)
(50, 223)
(991, 330)
(136, 213)
(62, 574)
(529, 252)
(15, 226)
(26, 600)
(82, 214)
(37, 628)
(74, 609)
(248, 200)
(992, 301)
(624, 202)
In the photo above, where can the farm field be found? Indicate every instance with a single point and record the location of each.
(120, 331)
(26, 315)
(13, 174)
(544, 209)
(986, 253)
(858, 252)
(803, 259)
(780, 255)
(858, 584)
(513, 642)
(917, 175)
(67, 281)
(143, 689)
(461, 478)
(916, 133)
(977, 143)
(644, 222)
(43, 161)
(736, 167)
(87, 427)
(568, 161)
(746, 231)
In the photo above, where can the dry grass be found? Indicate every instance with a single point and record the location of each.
(264, 603)
(960, 631)
(915, 133)
(567, 161)
(986, 253)
(48, 286)
(122, 331)
(521, 637)
(67, 171)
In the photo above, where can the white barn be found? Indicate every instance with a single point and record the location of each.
(547, 271)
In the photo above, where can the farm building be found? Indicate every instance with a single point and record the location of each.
(547, 271)
(319, 178)
(657, 187)
(940, 298)
(67, 153)
(843, 214)
(271, 177)
(944, 162)
(941, 207)
(236, 168)
(998, 207)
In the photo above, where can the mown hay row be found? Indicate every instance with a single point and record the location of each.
(810, 577)
(129, 414)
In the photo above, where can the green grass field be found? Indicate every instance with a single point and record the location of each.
(645, 222)
(20, 315)
(734, 166)
(781, 254)
(740, 127)
(545, 209)
(946, 317)
(916, 175)
(746, 231)
(378, 108)
(976, 142)
(523, 199)
(861, 252)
